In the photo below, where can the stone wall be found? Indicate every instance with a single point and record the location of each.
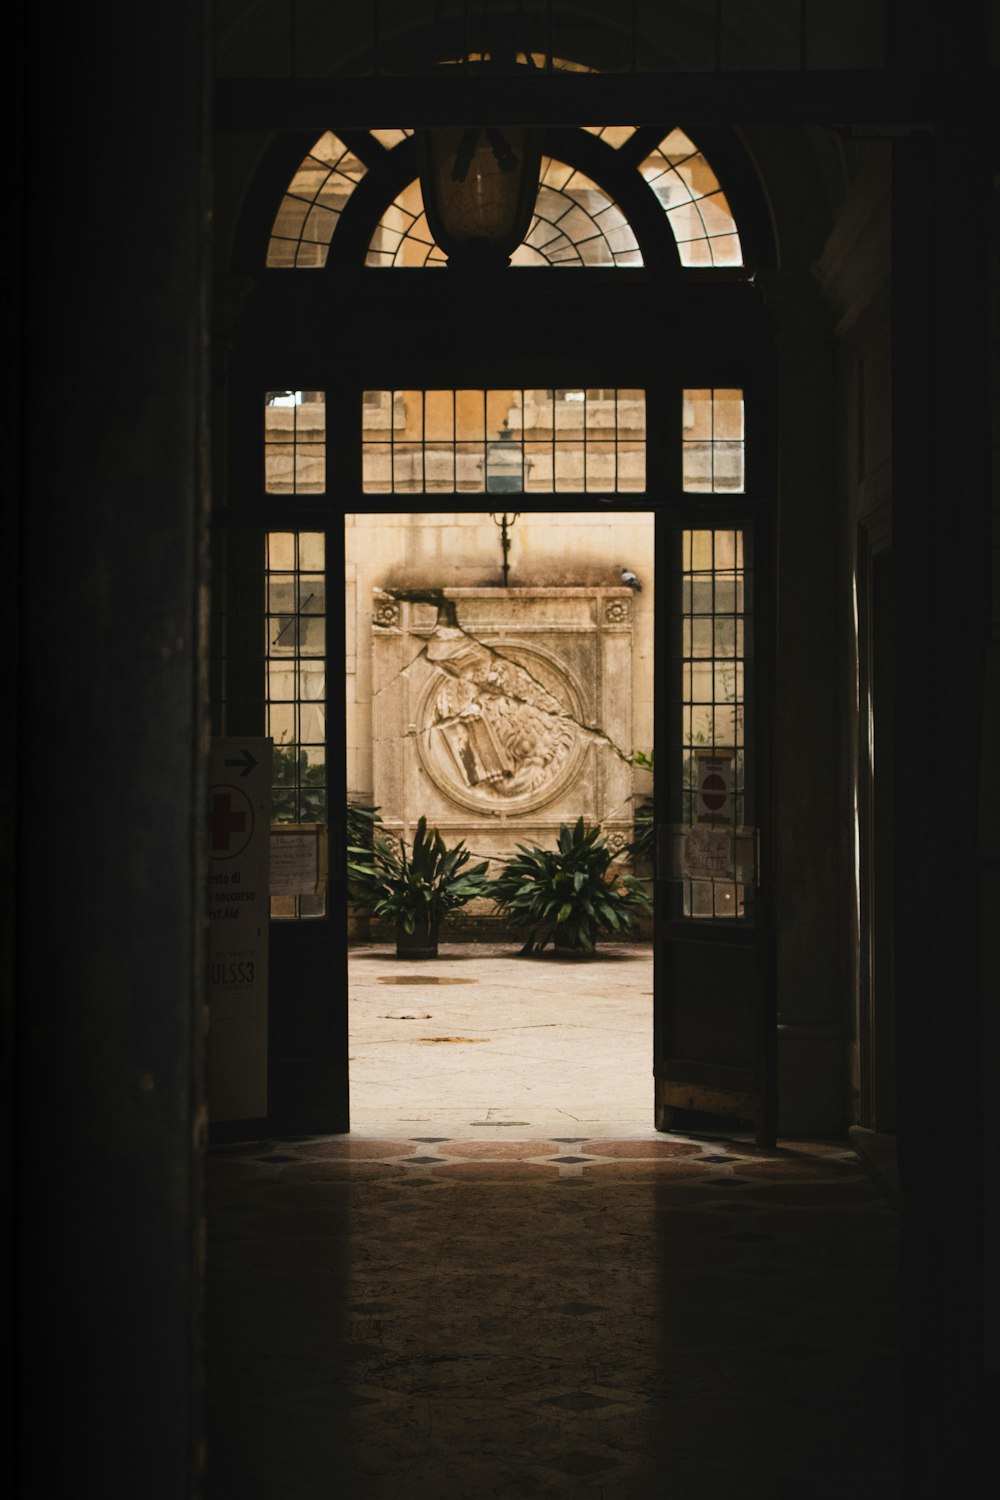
(499, 712)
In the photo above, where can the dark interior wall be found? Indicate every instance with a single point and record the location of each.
(854, 271)
(109, 616)
(805, 178)
(942, 375)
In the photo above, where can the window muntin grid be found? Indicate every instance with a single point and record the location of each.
(692, 199)
(612, 135)
(713, 441)
(294, 442)
(575, 223)
(402, 236)
(504, 441)
(295, 688)
(314, 200)
(712, 615)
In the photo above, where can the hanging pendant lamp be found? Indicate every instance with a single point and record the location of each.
(479, 186)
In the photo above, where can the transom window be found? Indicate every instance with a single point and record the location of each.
(694, 203)
(577, 221)
(314, 201)
(295, 442)
(528, 440)
(714, 440)
(426, 441)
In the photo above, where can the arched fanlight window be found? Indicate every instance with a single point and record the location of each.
(314, 200)
(576, 221)
(403, 236)
(694, 203)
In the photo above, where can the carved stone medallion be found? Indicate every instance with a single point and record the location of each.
(499, 729)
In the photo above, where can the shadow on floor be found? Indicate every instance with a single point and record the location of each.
(571, 1317)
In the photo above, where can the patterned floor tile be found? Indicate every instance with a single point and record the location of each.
(500, 1150)
(452, 1318)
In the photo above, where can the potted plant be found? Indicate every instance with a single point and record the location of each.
(568, 895)
(418, 889)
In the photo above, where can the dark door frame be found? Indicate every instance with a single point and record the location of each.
(347, 328)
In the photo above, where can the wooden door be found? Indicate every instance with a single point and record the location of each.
(274, 642)
(714, 1021)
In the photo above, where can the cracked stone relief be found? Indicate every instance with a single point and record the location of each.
(498, 716)
(490, 732)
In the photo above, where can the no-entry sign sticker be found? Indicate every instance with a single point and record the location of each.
(713, 801)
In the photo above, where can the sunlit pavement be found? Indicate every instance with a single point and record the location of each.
(481, 1040)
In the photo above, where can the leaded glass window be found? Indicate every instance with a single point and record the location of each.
(576, 223)
(715, 853)
(714, 443)
(694, 203)
(295, 705)
(295, 442)
(314, 200)
(496, 441)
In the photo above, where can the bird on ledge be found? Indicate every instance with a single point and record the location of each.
(630, 581)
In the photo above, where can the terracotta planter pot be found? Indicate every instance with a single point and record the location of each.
(422, 943)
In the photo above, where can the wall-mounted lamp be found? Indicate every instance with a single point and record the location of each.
(505, 522)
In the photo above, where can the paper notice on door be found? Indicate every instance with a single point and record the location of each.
(296, 859)
(708, 853)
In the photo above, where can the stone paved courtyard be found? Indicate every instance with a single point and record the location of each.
(482, 1040)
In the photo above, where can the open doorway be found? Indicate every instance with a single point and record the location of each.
(501, 687)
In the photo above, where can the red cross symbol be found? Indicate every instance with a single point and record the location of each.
(225, 821)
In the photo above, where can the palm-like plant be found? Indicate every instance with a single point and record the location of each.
(362, 827)
(570, 894)
(643, 844)
(416, 891)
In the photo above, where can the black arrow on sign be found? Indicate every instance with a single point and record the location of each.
(246, 760)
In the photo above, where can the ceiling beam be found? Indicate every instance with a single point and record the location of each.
(821, 98)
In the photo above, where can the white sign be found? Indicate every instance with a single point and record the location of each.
(713, 786)
(297, 863)
(239, 821)
(708, 853)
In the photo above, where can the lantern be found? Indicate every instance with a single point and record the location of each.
(479, 186)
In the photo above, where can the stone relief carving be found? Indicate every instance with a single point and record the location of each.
(616, 612)
(386, 612)
(491, 730)
(499, 714)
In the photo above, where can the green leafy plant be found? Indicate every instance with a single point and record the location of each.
(298, 792)
(362, 823)
(418, 889)
(570, 894)
(643, 843)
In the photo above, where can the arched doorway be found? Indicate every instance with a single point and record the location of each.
(632, 292)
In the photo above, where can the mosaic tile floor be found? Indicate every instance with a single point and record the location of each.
(616, 1319)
